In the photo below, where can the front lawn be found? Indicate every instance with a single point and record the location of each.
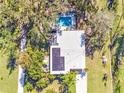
(8, 83)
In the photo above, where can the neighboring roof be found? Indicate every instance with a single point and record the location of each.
(69, 53)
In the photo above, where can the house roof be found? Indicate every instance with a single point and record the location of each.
(69, 53)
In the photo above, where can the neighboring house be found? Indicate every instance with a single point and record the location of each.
(68, 52)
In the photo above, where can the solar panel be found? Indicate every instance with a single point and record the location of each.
(62, 63)
(56, 52)
(57, 60)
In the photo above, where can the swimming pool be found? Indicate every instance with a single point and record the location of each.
(66, 21)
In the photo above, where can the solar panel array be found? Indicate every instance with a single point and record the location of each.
(57, 60)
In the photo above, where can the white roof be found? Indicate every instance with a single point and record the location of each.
(73, 50)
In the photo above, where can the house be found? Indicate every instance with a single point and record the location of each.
(68, 52)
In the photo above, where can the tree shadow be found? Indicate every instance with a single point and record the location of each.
(119, 52)
(117, 62)
(11, 62)
(37, 41)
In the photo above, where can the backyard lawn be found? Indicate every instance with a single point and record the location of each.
(8, 83)
(96, 72)
(95, 75)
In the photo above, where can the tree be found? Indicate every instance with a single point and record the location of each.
(117, 30)
(36, 76)
(68, 80)
(24, 60)
(84, 10)
(34, 73)
(50, 91)
(29, 86)
(101, 25)
(42, 83)
(27, 15)
(35, 18)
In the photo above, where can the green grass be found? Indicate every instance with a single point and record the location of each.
(96, 72)
(120, 11)
(101, 4)
(9, 82)
(121, 77)
(119, 7)
(95, 75)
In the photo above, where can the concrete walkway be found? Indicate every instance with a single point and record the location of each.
(21, 76)
(81, 83)
(21, 73)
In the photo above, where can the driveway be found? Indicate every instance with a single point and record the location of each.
(81, 83)
(21, 76)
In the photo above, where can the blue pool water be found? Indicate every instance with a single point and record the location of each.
(65, 21)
